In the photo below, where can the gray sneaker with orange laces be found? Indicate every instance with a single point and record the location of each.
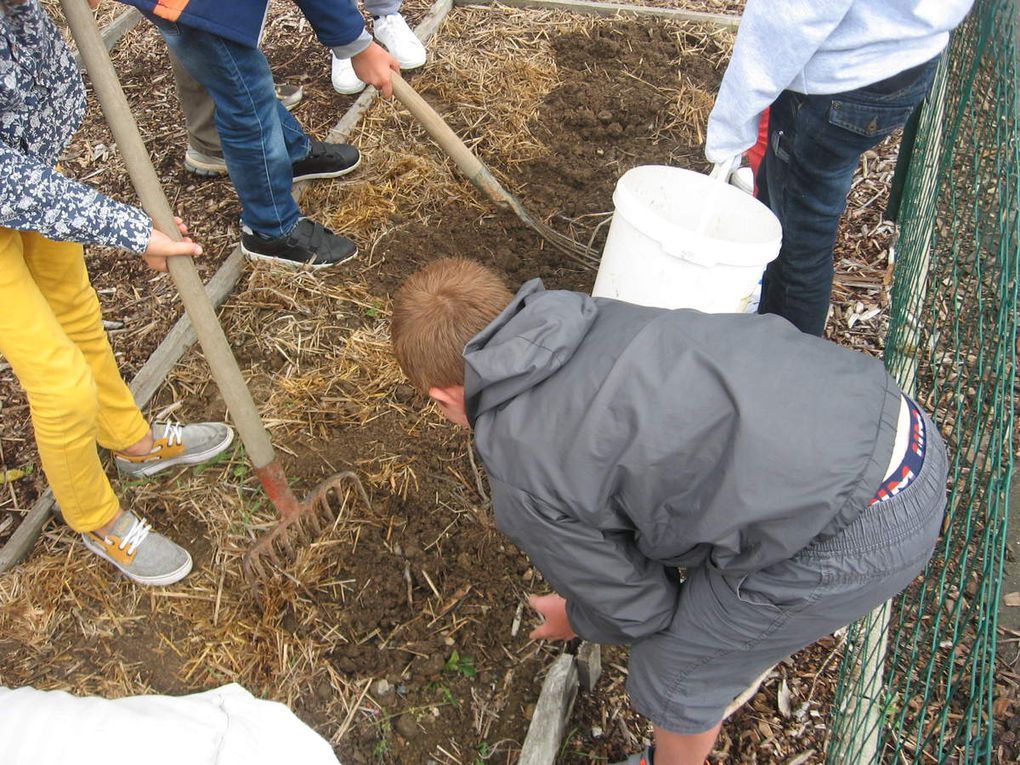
(139, 552)
(177, 444)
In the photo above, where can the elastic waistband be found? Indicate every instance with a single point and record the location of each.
(903, 513)
(913, 458)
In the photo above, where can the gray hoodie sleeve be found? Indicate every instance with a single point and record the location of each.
(772, 47)
(615, 595)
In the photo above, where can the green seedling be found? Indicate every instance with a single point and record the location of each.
(485, 751)
(247, 512)
(567, 751)
(444, 692)
(461, 665)
(14, 474)
(219, 459)
(384, 744)
(127, 484)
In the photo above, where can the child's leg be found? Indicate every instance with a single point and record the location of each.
(684, 749)
(728, 629)
(58, 270)
(60, 386)
(260, 139)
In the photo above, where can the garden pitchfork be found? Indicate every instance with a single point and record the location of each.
(317, 505)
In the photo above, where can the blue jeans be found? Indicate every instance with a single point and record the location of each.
(815, 143)
(261, 139)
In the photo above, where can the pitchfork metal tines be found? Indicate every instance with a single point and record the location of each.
(316, 511)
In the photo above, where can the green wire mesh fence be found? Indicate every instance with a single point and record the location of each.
(917, 679)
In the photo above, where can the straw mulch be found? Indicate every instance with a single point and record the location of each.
(399, 632)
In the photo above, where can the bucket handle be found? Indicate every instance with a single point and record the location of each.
(703, 256)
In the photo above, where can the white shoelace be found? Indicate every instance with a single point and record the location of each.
(173, 432)
(139, 531)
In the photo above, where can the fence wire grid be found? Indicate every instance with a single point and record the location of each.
(917, 677)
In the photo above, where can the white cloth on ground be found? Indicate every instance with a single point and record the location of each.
(223, 726)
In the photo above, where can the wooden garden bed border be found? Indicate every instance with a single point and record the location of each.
(724, 20)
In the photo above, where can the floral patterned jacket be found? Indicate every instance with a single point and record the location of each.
(42, 103)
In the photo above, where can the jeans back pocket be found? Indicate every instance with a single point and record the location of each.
(869, 120)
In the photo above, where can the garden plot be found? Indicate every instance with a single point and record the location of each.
(393, 633)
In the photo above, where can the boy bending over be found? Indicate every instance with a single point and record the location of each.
(622, 442)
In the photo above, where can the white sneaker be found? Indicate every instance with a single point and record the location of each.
(344, 79)
(393, 32)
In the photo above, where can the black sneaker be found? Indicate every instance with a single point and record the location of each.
(327, 160)
(308, 244)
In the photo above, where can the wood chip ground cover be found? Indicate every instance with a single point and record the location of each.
(392, 633)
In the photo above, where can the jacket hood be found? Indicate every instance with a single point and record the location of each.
(523, 346)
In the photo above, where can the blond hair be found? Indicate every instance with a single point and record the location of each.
(436, 312)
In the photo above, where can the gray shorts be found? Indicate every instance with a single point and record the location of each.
(728, 630)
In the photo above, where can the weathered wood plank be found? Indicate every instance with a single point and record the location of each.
(115, 30)
(589, 665)
(552, 712)
(182, 335)
(723, 20)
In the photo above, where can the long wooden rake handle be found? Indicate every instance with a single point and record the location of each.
(207, 327)
(480, 175)
(465, 160)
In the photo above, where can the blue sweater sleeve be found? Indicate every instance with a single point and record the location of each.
(36, 197)
(338, 24)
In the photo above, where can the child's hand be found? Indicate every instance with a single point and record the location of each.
(161, 247)
(553, 609)
(373, 65)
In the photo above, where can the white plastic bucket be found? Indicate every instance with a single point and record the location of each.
(655, 256)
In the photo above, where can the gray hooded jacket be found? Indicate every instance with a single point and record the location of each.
(622, 442)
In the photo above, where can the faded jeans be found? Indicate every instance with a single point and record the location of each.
(815, 144)
(261, 140)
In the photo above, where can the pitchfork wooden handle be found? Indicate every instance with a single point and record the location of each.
(207, 327)
(450, 143)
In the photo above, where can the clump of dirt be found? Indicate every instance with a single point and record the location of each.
(614, 109)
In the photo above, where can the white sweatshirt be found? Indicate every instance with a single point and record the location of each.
(820, 46)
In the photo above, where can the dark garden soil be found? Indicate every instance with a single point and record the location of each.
(400, 634)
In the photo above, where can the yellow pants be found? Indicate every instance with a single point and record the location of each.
(52, 334)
